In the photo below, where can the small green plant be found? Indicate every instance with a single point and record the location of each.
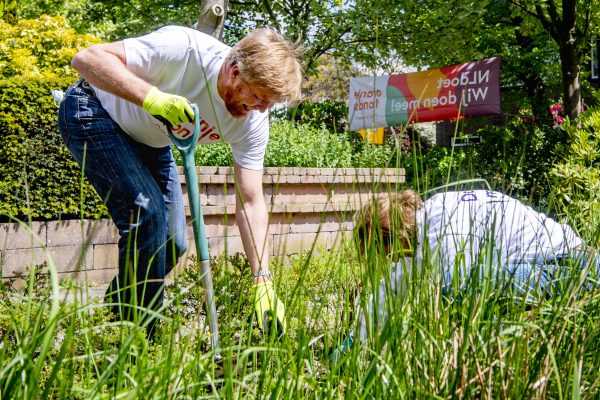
(576, 176)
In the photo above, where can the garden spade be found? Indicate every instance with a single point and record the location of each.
(186, 144)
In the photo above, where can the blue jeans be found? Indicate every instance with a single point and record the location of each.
(141, 189)
(537, 277)
(554, 275)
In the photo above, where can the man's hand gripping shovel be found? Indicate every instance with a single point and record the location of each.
(187, 147)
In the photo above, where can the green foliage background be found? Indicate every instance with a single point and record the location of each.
(514, 159)
(575, 176)
(38, 177)
(293, 144)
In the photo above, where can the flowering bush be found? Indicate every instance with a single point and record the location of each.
(557, 114)
(557, 111)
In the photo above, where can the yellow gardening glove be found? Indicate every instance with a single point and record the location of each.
(270, 311)
(169, 109)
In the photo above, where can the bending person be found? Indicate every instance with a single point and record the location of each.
(469, 238)
(113, 122)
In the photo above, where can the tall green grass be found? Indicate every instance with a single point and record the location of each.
(482, 343)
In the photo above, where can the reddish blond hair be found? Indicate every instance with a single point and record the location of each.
(267, 59)
(391, 215)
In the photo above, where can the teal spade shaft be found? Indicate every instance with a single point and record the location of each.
(186, 144)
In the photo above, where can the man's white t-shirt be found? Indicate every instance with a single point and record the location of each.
(187, 62)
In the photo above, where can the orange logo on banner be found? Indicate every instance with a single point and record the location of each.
(374, 136)
(422, 84)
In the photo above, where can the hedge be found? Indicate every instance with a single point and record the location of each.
(38, 177)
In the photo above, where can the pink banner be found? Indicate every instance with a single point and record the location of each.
(463, 90)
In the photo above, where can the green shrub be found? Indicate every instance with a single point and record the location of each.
(330, 113)
(38, 177)
(575, 177)
(299, 145)
(292, 144)
(514, 160)
(517, 159)
(216, 154)
(369, 155)
(434, 167)
(231, 281)
(320, 289)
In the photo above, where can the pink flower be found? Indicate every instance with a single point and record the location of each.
(555, 109)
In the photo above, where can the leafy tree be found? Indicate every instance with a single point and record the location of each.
(330, 79)
(114, 19)
(569, 26)
(541, 42)
(529, 35)
(323, 27)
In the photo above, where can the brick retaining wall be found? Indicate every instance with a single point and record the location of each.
(305, 205)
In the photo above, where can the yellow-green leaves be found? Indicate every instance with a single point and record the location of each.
(39, 48)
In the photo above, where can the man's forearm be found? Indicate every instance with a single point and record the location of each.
(252, 220)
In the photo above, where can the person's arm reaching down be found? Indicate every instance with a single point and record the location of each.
(252, 219)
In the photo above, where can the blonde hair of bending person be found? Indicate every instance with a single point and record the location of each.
(390, 216)
(267, 59)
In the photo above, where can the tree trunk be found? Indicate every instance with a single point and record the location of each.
(534, 84)
(212, 17)
(561, 23)
(569, 58)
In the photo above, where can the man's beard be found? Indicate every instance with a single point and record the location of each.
(236, 110)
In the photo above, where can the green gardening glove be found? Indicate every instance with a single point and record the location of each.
(270, 311)
(169, 109)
